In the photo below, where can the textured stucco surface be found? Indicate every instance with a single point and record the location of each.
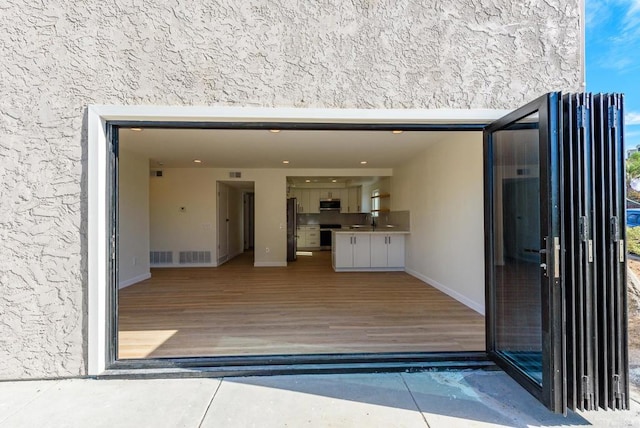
(57, 57)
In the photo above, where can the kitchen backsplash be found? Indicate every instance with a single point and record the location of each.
(332, 218)
(400, 220)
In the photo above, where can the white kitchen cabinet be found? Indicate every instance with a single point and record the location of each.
(309, 237)
(301, 237)
(344, 200)
(354, 199)
(308, 200)
(387, 250)
(313, 238)
(352, 250)
(300, 195)
(368, 251)
(329, 193)
(313, 201)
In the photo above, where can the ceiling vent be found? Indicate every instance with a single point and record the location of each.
(235, 174)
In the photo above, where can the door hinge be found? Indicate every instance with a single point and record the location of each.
(613, 117)
(615, 229)
(617, 393)
(621, 252)
(587, 394)
(582, 116)
(583, 228)
(556, 257)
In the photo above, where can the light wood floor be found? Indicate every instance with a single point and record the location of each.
(305, 308)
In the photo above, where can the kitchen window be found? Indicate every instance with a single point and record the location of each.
(375, 202)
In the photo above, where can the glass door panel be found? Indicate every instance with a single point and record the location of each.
(516, 261)
(523, 255)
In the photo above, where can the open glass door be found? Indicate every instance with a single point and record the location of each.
(523, 211)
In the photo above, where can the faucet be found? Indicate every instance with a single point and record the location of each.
(373, 223)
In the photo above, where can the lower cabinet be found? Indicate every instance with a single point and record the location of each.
(387, 250)
(309, 238)
(352, 250)
(368, 251)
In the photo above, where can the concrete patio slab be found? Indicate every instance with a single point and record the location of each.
(416, 400)
(371, 400)
(16, 395)
(117, 403)
(486, 399)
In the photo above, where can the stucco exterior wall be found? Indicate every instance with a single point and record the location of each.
(58, 56)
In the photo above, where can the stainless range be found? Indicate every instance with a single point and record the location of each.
(325, 235)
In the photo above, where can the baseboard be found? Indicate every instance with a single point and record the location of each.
(270, 264)
(446, 290)
(134, 280)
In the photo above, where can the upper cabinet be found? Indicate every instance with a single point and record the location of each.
(309, 199)
(313, 203)
(354, 202)
(330, 193)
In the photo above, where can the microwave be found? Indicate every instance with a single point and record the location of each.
(329, 204)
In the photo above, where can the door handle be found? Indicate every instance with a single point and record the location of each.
(543, 253)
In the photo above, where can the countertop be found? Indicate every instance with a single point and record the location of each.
(385, 231)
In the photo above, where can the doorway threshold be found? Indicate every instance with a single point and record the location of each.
(241, 366)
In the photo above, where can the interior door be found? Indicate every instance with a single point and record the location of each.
(523, 209)
(223, 223)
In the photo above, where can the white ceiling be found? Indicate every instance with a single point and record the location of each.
(169, 148)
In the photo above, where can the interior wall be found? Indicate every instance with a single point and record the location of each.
(133, 216)
(182, 211)
(443, 190)
(195, 228)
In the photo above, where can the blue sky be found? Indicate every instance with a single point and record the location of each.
(613, 56)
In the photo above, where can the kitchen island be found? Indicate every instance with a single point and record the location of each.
(368, 251)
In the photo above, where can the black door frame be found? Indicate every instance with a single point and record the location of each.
(270, 364)
(552, 392)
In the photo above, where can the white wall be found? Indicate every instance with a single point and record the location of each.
(133, 224)
(443, 190)
(174, 228)
(195, 229)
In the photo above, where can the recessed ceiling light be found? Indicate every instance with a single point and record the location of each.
(275, 131)
(363, 162)
(197, 161)
(334, 181)
(285, 161)
(397, 131)
(307, 181)
(136, 129)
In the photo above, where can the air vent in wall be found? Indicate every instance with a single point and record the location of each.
(188, 257)
(161, 257)
(156, 173)
(235, 174)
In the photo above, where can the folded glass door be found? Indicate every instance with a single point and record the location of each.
(523, 204)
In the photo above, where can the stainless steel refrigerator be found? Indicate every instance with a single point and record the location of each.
(292, 229)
